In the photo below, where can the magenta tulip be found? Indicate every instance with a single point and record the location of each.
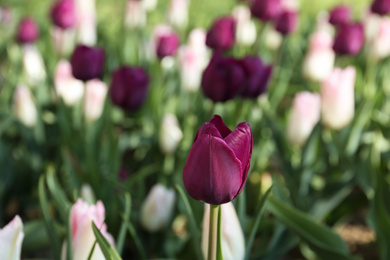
(63, 14)
(266, 10)
(381, 7)
(221, 35)
(286, 22)
(349, 39)
(257, 76)
(218, 162)
(340, 15)
(28, 31)
(167, 45)
(87, 62)
(129, 87)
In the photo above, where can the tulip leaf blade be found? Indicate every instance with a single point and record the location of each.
(322, 240)
(55, 189)
(133, 234)
(108, 250)
(255, 226)
(48, 219)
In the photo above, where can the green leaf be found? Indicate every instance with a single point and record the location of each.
(35, 236)
(49, 222)
(62, 202)
(255, 225)
(133, 234)
(122, 232)
(108, 250)
(321, 239)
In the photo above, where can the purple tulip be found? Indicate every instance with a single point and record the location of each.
(286, 22)
(340, 15)
(63, 14)
(221, 35)
(28, 31)
(381, 7)
(87, 62)
(129, 87)
(218, 162)
(349, 39)
(222, 78)
(167, 45)
(257, 75)
(266, 10)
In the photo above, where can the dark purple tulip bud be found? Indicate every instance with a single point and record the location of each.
(286, 22)
(167, 45)
(340, 15)
(221, 35)
(63, 14)
(123, 174)
(381, 7)
(217, 165)
(222, 78)
(129, 87)
(257, 75)
(28, 31)
(349, 39)
(266, 10)
(87, 62)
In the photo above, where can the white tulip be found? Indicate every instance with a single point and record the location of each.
(170, 134)
(95, 95)
(11, 238)
(24, 106)
(33, 65)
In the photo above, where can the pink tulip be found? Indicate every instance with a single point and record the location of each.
(304, 116)
(95, 95)
(319, 60)
(135, 14)
(233, 244)
(337, 98)
(191, 66)
(71, 90)
(83, 237)
(11, 237)
(86, 21)
(380, 46)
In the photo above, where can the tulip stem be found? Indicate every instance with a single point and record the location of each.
(214, 251)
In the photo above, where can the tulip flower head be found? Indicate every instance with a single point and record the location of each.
(232, 241)
(221, 35)
(95, 95)
(266, 10)
(304, 116)
(170, 134)
(218, 162)
(157, 209)
(135, 14)
(286, 22)
(246, 31)
(340, 15)
(167, 45)
(63, 14)
(337, 98)
(349, 39)
(129, 87)
(24, 106)
(380, 45)
(28, 31)
(11, 238)
(87, 62)
(381, 7)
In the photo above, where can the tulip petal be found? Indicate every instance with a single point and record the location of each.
(208, 129)
(241, 142)
(11, 237)
(212, 172)
(219, 124)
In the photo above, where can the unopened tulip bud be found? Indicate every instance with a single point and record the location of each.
(305, 114)
(63, 40)
(245, 30)
(286, 22)
(149, 5)
(83, 237)
(167, 45)
(273, 39)
(71, 90)
(63, 14)
(340, 15)
(266, 10)
(11, 238)
(95, 95)
(380, 46)
(232, 240)
(33, 65)
(170, 134)
(319, 59)
(349, 39)
(135, 14)
(178, 13)
(24, 106)
(221, 35)
(337, 98)
(381, 7)
(157, 208)
(87, 194)
(86, 21)
(28, 31)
